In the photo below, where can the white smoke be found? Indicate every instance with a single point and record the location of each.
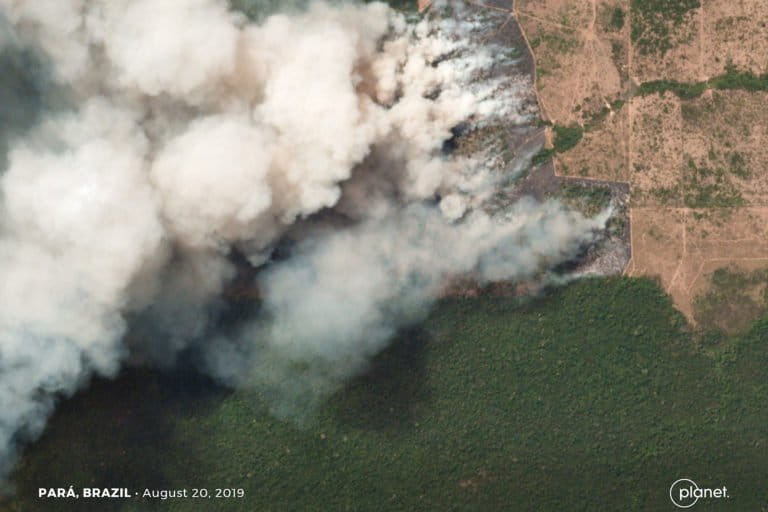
(192, 135)
(341, 297)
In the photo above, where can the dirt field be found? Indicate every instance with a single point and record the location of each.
(577, 72)
(684, 61)
(696, 167)
(683, 247)
(656, 142)
(727, 132)
(602, 153)
(735, 31)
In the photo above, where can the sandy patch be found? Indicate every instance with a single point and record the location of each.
(602, 152)
(683, 61)
(657, 243)
(578, 59)
(656, 150)
(561, 69)
(682, 247)
(575, 14)
(726, 132)
(730, 295)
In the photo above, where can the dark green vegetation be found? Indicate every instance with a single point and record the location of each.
(732, 79)
(656, 23)
(543, 156)
(738, 167)
(559, 42)
(594, 398)
(734, 301)
(706, 187)
(596, 119)
(617, 18)
(589, 200)
(685, 91)
(566, 137)
(744, 80)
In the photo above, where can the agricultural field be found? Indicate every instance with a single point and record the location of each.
(684, 126)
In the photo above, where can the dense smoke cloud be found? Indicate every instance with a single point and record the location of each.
(180, 137)
(340, 297)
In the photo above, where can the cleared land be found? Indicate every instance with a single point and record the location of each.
(685, 124)
(735, 32)
(576, 71)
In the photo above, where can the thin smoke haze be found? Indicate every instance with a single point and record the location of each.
(166, 139)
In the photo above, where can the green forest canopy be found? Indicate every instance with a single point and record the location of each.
(597, 396)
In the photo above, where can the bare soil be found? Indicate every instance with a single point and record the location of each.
(735, 31)
(696, 169)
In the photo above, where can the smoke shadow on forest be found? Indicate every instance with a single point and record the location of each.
(122, 431)
(388, 396)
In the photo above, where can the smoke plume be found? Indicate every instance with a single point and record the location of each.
(158, 151)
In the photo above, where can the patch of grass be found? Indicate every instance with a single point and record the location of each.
(655, 24)
(620, 59)
(595, 396)
(666, 195)
(709, 187)
(596, 118)
(558, 42)
(617, 18)
(685, 91)
(566, 137)
(734, 300)
(616, 225)
(744, 80)
(589, 200)
(738, 166)
(544, 155)
(690, 112)
(732, 79)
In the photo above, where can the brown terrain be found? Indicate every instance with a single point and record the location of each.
(690, 172)
(696, 168)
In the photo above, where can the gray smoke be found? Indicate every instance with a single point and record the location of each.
(163, 145)
(340, 297)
